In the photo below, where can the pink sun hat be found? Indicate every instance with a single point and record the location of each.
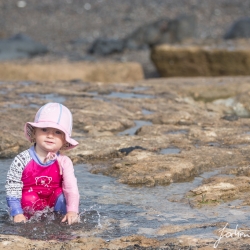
(53, 115)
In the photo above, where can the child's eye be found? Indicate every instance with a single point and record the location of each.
(44, 129)
(58, 132)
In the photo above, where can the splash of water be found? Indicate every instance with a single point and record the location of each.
(47, 213)
(46, 225)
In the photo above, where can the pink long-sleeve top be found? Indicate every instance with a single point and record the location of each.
(14, 184)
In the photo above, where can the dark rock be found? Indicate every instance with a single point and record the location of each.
(20, 46)
(149, 35)
(230, 117)
(106, 46)
(130, 149)
(180, 29)
(80, 41)
(162, 31)
(239, 29)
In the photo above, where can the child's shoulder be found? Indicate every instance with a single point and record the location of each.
(64, 159)
(22, 158)
(24, 155)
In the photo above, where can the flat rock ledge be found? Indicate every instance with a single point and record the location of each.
(200, 61)
(67, 71)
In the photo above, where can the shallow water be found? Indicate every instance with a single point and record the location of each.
(172, 150)
(139, 88)
(32, 98)
(147, 112)
(48, 97)
(138, 124)
(176, 132)
(123, 95)
(109, 209)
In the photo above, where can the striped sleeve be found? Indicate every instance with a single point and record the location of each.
(14, 184)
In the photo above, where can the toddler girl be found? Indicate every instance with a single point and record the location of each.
(40, 176)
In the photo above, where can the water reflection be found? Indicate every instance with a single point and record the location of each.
(171, 150)
(140, 88)
(147, 112)
(138, 124)
(50, 97)
(176, 132)
(128, 95)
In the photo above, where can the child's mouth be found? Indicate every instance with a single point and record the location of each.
(48, 142)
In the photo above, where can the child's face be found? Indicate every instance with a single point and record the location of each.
(49, 139)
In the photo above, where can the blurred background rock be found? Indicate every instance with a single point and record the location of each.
(117, 30)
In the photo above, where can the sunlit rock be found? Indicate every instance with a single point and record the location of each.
(200, 61)
(93, 72)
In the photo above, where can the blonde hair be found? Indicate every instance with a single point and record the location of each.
(32, 133)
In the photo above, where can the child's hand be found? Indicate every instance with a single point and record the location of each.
(19, 218)
(71, 217)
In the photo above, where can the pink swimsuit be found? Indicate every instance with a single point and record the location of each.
(32, 185)
(41, 186)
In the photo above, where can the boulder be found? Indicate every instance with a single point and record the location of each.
(162, 31)
(20, 46)
(158, 32)
(93, 72)
(200, 61)
(106, 46)
(239, 29)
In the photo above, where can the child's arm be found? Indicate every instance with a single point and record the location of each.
(71, 217)
(14, 184)
(15, 209)
(14, 188)
(19, 218)
(70, 190)
(15, 206)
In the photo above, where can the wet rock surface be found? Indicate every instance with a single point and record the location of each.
(181, 132)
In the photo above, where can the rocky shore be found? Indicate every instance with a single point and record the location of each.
(131, 124)
(188, 126)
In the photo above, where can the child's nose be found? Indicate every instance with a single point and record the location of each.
(50, 132)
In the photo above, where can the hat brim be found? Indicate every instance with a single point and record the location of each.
(28, 130)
